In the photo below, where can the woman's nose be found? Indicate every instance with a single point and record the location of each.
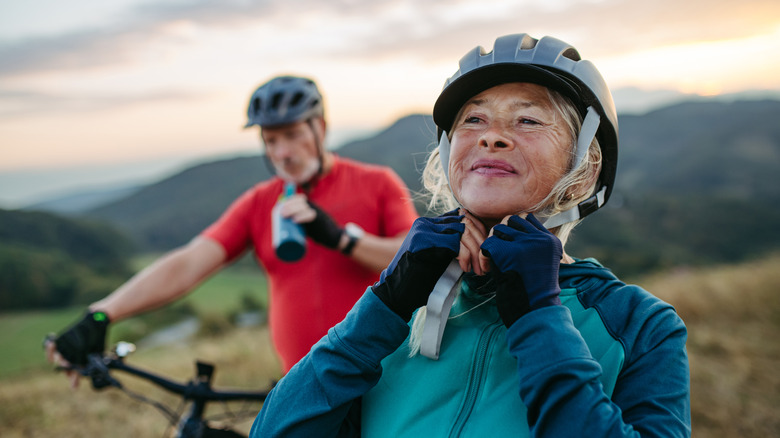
(494, 137)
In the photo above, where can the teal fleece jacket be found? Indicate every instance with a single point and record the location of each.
(609, 362)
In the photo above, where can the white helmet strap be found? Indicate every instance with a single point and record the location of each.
(444, 154)
(590, 125)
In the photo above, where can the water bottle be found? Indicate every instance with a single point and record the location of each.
(288, 238)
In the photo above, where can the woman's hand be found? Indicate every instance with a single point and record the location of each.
(526, 257)
(470, 256)
(429, 247)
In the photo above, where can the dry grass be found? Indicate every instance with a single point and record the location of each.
(733, 319)
(732, 314)
(44, 405)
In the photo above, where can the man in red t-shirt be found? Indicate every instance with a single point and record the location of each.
(354, 216)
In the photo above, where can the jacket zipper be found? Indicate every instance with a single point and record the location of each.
(476, 379)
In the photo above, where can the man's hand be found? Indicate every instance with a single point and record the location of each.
(72, 346)
(316, 222)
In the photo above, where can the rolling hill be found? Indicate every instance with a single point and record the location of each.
(696, 184)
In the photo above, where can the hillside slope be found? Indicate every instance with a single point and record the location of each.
(696, 183)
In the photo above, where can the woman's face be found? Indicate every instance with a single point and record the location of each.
(509, 147)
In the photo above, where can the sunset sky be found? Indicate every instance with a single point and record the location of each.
(88, 84)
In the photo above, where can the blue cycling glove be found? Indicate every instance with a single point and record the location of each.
(526, 258)
(430, 245)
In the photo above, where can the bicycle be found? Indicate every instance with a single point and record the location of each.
(197, 391)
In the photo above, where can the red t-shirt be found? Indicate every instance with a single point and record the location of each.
(311, 295)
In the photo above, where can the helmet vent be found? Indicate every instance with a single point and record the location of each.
(296, 99)
(284, 100)
(572, 54)
(275, 100)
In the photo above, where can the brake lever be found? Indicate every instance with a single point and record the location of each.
(97, 371)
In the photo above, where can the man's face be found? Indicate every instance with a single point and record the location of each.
(292, 150)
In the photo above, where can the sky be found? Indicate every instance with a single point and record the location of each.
(98, 93)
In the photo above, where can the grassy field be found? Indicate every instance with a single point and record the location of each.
(732, 314)
(21, 334)
(733, 319)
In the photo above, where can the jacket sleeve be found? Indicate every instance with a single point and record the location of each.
(559, 379)
(316, 396)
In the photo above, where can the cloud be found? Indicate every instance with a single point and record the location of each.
(430, 29)
(21, 103)
(434, 31)
(606, 28)
(72, 51)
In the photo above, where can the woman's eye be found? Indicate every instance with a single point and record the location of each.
(472, 119)
(525, 121)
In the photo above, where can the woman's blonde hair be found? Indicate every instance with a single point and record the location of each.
(576, 186)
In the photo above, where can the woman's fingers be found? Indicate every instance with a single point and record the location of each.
(472, 238)
(483, 260)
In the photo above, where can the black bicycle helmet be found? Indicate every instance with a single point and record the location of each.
(551, 63)
(282, 100)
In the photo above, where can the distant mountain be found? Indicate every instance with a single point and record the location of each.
(82, 201)
(682, 170)
(703, 148)
(169, 213)
(697, 183)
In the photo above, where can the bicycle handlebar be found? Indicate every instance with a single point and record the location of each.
(198, 391)
(98, 370)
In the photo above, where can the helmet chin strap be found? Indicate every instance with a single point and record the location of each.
(446, 289)
(319, 143)
(438, 310)
(590, 126)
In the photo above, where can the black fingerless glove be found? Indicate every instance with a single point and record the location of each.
(323, 229)
(85, 337)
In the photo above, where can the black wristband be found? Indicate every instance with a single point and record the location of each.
(350, 245)
(323, 229)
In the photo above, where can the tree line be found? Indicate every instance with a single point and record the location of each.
(51, 261)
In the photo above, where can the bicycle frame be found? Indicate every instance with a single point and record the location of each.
(198, 391)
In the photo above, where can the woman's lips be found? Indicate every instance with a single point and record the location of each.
(492, 167)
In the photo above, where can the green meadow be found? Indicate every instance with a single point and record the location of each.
(217, 299)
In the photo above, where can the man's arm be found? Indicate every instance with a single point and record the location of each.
(373, 252)
(169, 278)
(164, 281)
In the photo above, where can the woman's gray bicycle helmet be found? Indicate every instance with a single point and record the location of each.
(551, 63)
(283, 100)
